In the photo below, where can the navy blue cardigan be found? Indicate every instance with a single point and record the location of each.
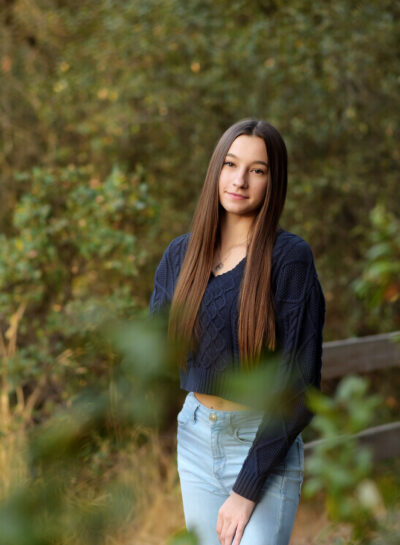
(299, 316)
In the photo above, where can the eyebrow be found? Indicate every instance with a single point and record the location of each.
(261, 162)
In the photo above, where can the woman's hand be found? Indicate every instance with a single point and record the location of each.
(233, 516)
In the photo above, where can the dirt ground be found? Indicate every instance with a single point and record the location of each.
(312, 526)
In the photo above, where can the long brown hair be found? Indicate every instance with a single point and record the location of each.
(256, 326)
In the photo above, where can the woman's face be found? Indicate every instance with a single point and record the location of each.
(244, 176)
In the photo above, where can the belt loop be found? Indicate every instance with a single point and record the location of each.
(194, 413)
(231, 422)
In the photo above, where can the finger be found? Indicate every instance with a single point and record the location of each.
(239, 534)
(220, 523)
(228, 532)
(223, 531)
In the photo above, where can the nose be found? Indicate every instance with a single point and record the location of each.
(240, 179)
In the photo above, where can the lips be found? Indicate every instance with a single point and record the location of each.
(236, 196)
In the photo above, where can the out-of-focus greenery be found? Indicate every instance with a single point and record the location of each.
(69, 262)
(342, 469)
(184, 537)
(69, 495)
(109, 114)
(379, 283)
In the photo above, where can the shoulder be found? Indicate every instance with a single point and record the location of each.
(293, 271)
(178, 242)
(290, 247)
(175, 250)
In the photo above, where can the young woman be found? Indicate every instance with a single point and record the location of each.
(234, 286)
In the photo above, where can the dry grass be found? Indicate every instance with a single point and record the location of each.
(152, 471)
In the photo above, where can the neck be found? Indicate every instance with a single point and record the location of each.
(234, 229)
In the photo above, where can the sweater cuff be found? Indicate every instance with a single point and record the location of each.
(249, 485)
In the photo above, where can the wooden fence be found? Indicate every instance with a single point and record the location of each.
(362, 355)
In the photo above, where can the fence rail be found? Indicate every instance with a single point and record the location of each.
(360, 355)
(363, 355)
(383, 440)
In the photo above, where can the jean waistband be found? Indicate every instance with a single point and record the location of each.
(200, 411)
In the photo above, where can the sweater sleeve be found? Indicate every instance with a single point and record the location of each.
(160, 298)
(300, 305)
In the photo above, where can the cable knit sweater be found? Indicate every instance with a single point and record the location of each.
(299, 316)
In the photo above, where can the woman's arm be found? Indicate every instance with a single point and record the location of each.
(167, 273)
(160, 296)
(300, 313)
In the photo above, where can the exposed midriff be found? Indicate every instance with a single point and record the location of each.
(219, 403)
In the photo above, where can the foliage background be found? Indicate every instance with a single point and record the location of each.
(109, 113)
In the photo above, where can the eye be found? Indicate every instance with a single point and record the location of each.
(228, 163)
(259, 171)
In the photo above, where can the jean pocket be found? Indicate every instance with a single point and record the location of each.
(183, 416)
(245, 433)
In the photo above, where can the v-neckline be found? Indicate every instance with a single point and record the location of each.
(279, 231)
(212, 275)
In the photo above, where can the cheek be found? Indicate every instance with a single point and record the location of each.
(261, 191)
(221, 185)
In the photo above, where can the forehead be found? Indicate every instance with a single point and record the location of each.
(248, 147)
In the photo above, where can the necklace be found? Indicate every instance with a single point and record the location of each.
(220, 263)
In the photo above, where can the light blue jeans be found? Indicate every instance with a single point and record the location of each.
(211, 448)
